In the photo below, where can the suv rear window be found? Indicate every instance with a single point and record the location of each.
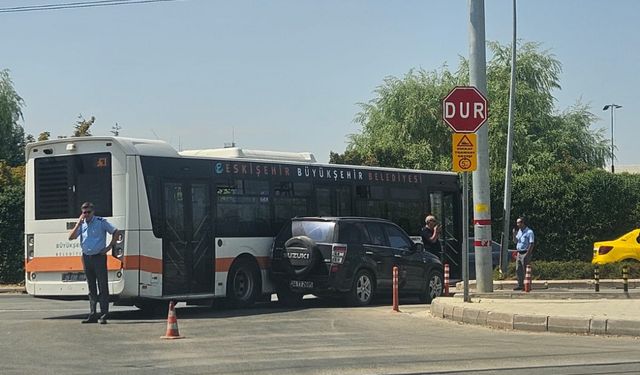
(319, 231)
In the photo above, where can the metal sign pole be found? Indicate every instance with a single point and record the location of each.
(465, 234)
(481, 183)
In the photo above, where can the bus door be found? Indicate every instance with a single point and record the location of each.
(446, 208)
(333, 200)
(187, 248)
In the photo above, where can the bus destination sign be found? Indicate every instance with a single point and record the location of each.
(312, 172)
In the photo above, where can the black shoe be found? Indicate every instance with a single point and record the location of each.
(103, 319)
(90, 319)
(518, 288)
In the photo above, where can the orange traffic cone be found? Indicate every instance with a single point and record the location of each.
(172, 324)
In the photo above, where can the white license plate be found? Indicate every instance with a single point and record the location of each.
(301, 284)
(73, 276)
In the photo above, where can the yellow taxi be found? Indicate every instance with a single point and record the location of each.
(625, 247)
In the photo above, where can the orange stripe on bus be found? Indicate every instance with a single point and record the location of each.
(142, 262)
(64, 264)
(223, 264)
(130, 262)
(264, 262)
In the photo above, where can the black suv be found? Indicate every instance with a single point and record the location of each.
(351, 257)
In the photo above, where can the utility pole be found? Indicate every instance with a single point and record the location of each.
(504, 250)
(481, 193)
(612, 107)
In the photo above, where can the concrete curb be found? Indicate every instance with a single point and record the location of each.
(534, 323)
(12, 290)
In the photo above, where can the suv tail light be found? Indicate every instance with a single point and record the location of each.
(338, 254)
(604, 249)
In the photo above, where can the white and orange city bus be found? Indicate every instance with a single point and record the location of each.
(198, 225)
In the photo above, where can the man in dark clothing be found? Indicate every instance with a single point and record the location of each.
(430, 236)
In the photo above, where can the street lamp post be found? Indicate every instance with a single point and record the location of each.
(612, 107)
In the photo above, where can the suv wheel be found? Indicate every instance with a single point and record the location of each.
(434, 286)
(287, 297)
(362, 289)
(243, 283)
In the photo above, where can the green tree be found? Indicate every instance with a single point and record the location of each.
(557, 157)
(402, 126)
(12, 142)
(11, 222)
(542, 138)
(11, 133)
(44, 136)
(83, 126)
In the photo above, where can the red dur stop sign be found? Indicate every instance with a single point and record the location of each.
(464, 109)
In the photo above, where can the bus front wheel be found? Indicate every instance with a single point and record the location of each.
(243, 283)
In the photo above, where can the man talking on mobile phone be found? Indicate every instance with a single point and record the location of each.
(92, 231)
(430, 236)
(525, 241)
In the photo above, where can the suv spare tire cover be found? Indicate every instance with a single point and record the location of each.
(301, 251)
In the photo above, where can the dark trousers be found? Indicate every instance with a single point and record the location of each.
(95, 268)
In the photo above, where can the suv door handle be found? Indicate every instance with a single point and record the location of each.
(366, 252)
(397, 255)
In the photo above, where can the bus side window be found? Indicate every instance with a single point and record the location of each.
(290, 200)
(243, 208)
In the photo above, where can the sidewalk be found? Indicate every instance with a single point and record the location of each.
(573, 308)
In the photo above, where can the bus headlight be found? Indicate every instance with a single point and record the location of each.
(118, 247)
(30, 247)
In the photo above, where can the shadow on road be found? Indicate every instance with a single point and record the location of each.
(220, 310)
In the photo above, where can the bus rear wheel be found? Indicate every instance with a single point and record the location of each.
(243, 283)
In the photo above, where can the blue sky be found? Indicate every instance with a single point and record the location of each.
(287, 75)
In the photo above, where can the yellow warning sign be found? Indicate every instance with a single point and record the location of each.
(465, 152)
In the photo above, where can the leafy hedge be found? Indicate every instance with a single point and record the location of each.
(574, 270)
(570, 210)
(11, 233)
(11, 223)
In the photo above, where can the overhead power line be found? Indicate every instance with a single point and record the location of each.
(78, 4)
